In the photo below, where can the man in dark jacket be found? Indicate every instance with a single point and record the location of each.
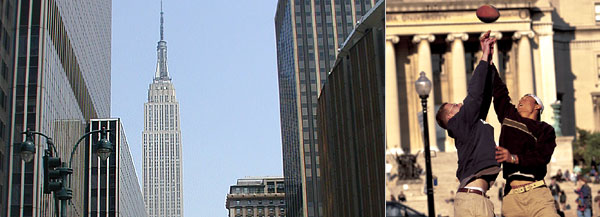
(526, 146)
(474, 139)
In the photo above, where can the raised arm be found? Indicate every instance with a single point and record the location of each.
(471, 110)
(476, 104)
(487, 93)
(502, 104)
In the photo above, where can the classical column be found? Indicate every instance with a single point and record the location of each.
(547, 85)
(498, 36)
(424, 64)
(458, 72)
(524, 63)
(392, 112)
(457, 76)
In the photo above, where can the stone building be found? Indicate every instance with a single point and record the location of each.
(257, 197)
(546, 47)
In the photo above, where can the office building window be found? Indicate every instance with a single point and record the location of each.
(597, 12)
(596, 104)
(597, 70)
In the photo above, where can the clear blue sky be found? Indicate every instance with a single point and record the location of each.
(222, 59)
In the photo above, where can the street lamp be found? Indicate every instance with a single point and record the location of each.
(56, 171)
(423, 86)
(28, 148)
(104, 147)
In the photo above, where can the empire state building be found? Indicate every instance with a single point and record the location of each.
(161, 138)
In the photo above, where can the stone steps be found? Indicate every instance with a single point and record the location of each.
(444, 167)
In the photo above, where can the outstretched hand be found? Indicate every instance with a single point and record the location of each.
(502, 155)
(487, 46)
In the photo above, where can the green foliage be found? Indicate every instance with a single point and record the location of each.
(587, 147)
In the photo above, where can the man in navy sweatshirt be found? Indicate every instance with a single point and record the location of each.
(474, 138)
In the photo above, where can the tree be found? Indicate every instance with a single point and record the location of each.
(587, 146)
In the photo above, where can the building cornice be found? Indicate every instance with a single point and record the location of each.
(258, 195)
(399, 6)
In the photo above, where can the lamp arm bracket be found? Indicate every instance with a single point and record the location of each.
(81, 139)
(49, 140)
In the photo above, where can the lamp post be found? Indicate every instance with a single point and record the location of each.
(55, 171)
(423, 86)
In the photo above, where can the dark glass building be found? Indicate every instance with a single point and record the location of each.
(61, 80)
(112, 187)
(352, 123)
(308, 35)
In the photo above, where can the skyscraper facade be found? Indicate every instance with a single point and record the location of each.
(161, 138)
(308, 35)
(352, 123)
(61, 80)
(7, 52)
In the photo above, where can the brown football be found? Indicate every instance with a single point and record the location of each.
(488, 13)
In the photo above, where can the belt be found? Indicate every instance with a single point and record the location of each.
(527, 187)
(468, 190)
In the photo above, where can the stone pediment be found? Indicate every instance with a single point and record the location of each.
(442, 22)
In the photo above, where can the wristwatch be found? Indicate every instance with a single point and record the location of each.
(513, 158)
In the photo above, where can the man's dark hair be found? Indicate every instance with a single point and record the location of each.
(441, 115)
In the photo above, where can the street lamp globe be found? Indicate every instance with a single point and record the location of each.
(423, 85)
(104, 148)
(27, 150)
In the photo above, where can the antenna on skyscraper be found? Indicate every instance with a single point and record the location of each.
(161, 21)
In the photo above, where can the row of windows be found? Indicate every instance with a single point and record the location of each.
(597, 12)
(24, 202)
(7, 37)
(312, 71)
(598, 71)
(161, 116)
(259, 202)
(62, 44)
(289, 118)
(260, 211)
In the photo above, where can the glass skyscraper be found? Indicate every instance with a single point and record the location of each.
(61, 80)
(308, 35)
(161, 138)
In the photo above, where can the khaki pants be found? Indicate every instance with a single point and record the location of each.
(534, 203)
(472, 205)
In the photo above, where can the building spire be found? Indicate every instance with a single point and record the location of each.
(161, 21)
(162, 71)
